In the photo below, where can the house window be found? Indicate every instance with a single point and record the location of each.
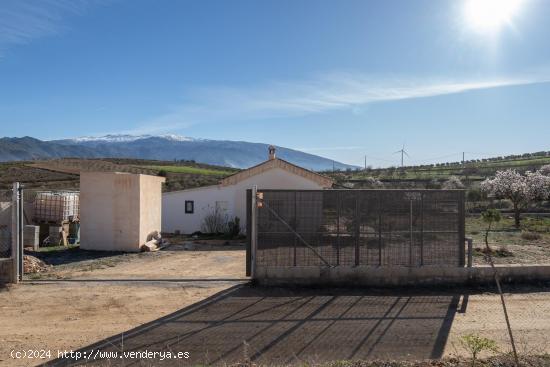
(189, 206)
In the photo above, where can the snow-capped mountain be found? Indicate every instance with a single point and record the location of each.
(238, 154)
(121, 138)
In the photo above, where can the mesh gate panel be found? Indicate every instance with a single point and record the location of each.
(5, 223)
(361, 227)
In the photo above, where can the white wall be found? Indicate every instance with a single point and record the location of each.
(173, 203)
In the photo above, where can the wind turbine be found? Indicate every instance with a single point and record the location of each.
(403, 152)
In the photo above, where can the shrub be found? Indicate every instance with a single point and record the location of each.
(234, 227)
(215, 221)
(373, 183)
(474, 195)
(530, 236)
(452, 183)
(475, 344)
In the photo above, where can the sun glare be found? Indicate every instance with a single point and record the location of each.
(489, 16)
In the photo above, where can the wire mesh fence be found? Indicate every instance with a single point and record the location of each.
(5, 223)
(361, 227)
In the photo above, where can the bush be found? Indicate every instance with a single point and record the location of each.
(476, 344)
(474, 195)
(530, 236)
(215, 221)
(234, 227)
(502, 204)
(453, 183)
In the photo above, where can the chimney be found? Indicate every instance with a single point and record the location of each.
(271, 151)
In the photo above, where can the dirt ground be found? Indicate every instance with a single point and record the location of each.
(206, 261)
(60, 309)
(269, 326)
(64, 316)
(528, 245)
(281, 325)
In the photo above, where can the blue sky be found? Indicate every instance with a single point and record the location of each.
(342, 79)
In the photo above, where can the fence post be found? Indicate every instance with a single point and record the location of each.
(470, 251)
(422, 230)
(357, 230)
(253, 232)
(295, 225)
(17, 232)
(379, 231)
(462, 227)
(411, 233)
(338, 228)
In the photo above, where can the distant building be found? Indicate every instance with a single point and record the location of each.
(185, 210)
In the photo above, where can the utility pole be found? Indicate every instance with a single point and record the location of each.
(365, 163)
(463, 159)
(332, 166)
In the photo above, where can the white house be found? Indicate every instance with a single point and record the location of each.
(184, 211)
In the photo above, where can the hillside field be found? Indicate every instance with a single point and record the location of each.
(470, 171)
(64, 173)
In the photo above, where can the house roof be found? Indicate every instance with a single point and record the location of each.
(324, 181)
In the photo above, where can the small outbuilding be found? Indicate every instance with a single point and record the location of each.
(119, 211)
(185, 211)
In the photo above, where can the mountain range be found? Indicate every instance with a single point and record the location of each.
(237, 154)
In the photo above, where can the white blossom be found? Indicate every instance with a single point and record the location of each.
(545, 170)
(373, 182)
(453, 182)
(538, 185)
(520, 189)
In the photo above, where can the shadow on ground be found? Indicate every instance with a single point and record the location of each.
(282, 326)
(71, 255)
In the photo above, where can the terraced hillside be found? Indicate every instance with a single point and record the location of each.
(470, 171)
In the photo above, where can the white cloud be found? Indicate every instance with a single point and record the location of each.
(21, 21)
(336, 91)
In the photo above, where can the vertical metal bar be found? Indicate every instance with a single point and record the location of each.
(14, 234)
(379, 230)
(357, 228)
(254, 232)
(295, 225)
(338, 228)
(248, 229)
(21, 232)
(16, 242)
(470, 251)
(461, 228)
(422, 230)
(411, 233)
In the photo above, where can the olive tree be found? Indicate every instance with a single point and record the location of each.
(520, 189)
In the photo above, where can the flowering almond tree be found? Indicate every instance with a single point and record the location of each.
(519, 189)
(452, 183)
(545, 170)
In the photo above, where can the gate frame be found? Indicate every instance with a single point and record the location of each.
(251, 244)
(17, 226)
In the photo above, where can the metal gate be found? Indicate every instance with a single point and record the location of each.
(303, 228)
(6, 198)
(11, 234)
